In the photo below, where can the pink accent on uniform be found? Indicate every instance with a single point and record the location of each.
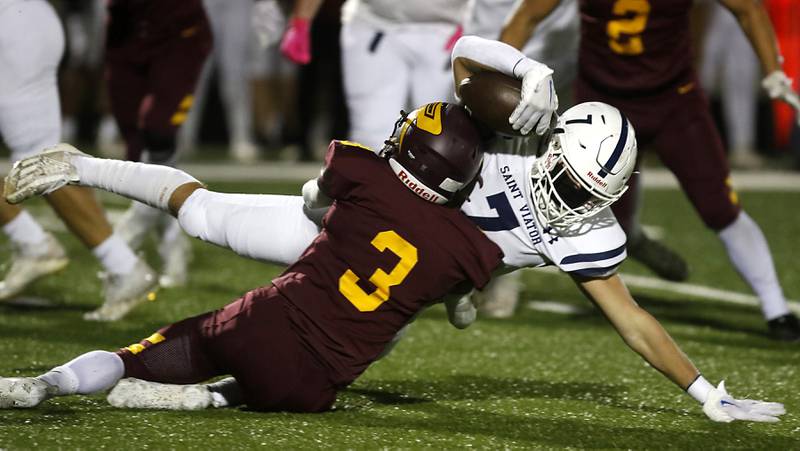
(296, 42)
(453, 38)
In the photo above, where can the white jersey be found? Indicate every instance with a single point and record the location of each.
(501, 207)
(386, 13)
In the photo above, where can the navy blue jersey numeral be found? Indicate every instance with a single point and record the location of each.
(505, 219)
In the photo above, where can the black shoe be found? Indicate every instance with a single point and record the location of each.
(784, 328)
(660, 259)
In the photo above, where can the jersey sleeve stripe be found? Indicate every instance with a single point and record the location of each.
(583, 258)
(595, 272)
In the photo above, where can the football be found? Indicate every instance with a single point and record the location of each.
(491, 98)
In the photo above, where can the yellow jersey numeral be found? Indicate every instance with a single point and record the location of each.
(368, 302)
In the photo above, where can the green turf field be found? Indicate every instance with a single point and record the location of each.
(539, 380)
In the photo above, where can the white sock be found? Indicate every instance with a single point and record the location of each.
(147, 183)
(115, 256)
(748, 251)
(24, 230)
(89, 373)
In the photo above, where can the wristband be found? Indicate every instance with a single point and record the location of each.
(699, 389)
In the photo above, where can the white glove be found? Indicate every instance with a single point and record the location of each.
(268, 22)
(41, 174)
(538, 103)
(779, 86)
(722, 407)
(461, 311)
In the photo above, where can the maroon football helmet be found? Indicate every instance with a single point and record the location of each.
(436, 152)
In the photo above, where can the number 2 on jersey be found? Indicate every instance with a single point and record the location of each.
(625, 34)
(367, 302)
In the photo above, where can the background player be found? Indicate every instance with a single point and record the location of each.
(395, 55)
(155, 51)
(339, 322)
(31, 46)
(636, 55)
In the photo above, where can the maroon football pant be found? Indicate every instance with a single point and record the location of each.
(251, 339)
(676, 124)
(151, 87)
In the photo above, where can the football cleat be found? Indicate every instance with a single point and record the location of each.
(123, 292)
(42, 173)
(784, 328)
(657, 257)
(24, 392)
(499, 299)
(28, 263)
(134, 393)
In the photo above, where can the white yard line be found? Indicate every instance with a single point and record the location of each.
(688, 289)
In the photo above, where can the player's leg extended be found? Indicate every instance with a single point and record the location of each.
(702, 170)
(265, 227)
(376, 81)
(173, 355)
(86, 374)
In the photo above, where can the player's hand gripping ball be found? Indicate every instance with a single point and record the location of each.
(491, 97)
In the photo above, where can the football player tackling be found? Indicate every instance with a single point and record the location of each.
(316, 327)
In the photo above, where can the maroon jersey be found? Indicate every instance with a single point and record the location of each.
(152, 21)
(383, 254)
(635, 46)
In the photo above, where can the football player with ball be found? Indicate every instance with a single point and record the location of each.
(292, 345)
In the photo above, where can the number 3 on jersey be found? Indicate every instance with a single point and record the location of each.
(367, 302)
(625, 34)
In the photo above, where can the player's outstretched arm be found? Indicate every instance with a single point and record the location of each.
(645, 335)
(520, 26)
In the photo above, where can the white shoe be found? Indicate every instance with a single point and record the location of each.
(123, 292)
(28, 265)
(134, 393)
(24, 392)
(500, 297)
(176, 253)
(244, 152)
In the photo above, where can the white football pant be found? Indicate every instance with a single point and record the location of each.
(388, 70)
(31, 45)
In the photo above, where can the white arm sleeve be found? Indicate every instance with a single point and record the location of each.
(267, 227)
(495, 54)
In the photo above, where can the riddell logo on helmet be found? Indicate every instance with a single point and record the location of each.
(597, 179)
(419, 189)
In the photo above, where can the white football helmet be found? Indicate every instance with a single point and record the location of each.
(589, 159)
